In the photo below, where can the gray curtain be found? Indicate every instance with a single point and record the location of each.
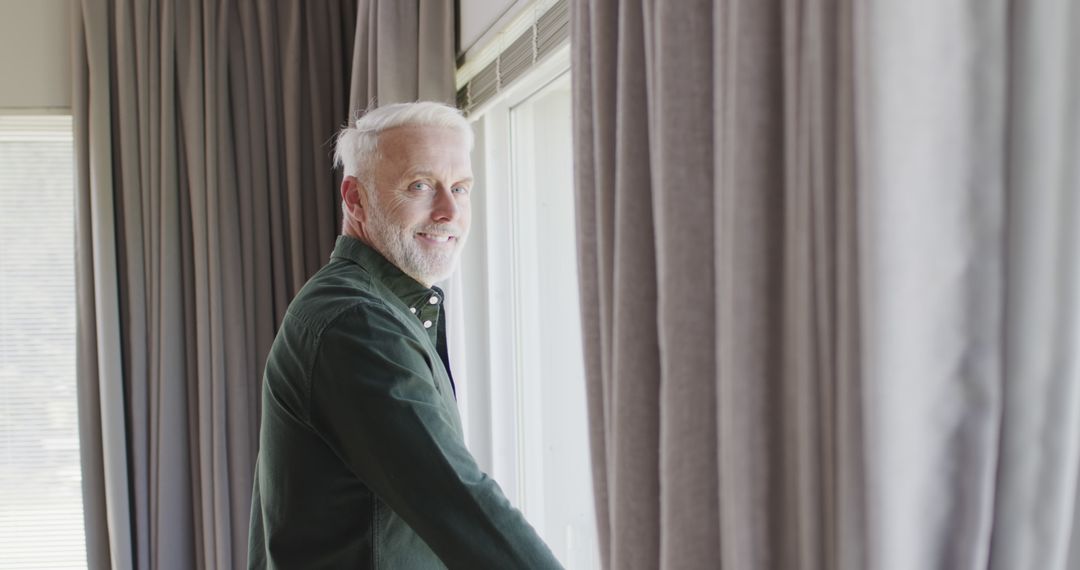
(830, 284)
(205, 199)
(404, 51)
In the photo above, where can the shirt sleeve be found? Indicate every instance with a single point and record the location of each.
(374, 401)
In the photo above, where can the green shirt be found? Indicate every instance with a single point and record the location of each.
(362, 462)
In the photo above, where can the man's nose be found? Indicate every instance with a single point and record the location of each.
(444, 208)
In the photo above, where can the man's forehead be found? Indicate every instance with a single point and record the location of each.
(425, 148)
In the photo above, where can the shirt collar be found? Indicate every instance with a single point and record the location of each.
(410, 291)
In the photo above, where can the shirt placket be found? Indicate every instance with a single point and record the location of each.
(427, 312)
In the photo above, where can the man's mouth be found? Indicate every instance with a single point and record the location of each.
(437, 238)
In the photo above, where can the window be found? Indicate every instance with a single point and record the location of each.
(41, 516)
(524, 394)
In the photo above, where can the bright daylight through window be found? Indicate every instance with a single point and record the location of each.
(555, 479)
(41, 518)
(524, 395)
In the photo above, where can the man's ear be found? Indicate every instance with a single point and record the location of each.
(352, 198)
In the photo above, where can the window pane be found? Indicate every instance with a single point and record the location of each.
(41, 521)
(555, 475)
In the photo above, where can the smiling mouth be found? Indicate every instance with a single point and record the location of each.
(436, 238)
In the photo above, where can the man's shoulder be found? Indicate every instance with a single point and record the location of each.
(340, 289)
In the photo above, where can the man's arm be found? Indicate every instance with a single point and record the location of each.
(374, 401)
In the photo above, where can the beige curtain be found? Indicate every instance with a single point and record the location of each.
(404, 51)
(830, 285)
(205, 199)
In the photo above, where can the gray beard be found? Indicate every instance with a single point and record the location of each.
(399, 246)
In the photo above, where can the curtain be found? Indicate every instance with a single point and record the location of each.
(971, 166)
(829, 281)
(404, 51)
(205, 199)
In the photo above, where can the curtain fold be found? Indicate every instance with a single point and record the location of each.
(1036, 519)
(829, 281)
(100, 390)
(933, 142)
(206, 198)
(404, 53)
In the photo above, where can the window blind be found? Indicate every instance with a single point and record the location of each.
(41, 516)
(544, 35)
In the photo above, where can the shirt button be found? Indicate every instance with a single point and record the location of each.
(433, 300)
(427, 324)
(412, 310)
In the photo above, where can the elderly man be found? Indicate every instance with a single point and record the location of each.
(362, 463)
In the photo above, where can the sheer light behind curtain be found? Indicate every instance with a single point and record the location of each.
(205, 199)
(857, 223)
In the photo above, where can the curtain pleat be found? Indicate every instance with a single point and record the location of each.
(1036, 521)
(405, 53)
(206, 199)
(933, 143)
(756, 382)
(685, 308)
(592, 51)
(633, 341)
(100, 387)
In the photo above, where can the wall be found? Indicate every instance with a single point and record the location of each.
(476, 17)
(35, 54)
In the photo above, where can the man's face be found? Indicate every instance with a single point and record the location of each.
(419, 214)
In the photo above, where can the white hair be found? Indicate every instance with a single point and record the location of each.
(357, 147)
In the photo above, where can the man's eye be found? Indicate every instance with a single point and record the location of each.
(420, 186)
(461, 190)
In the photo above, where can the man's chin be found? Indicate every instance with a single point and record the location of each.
(435, 277)
(428, 275)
